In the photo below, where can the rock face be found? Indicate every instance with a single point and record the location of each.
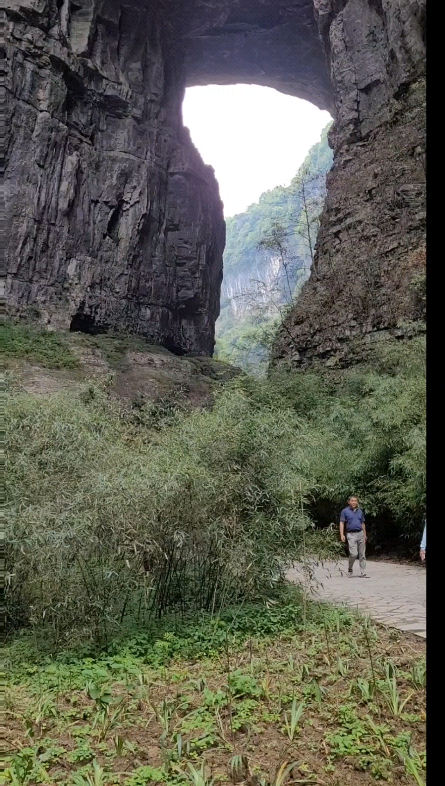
(369, 281)
(114, 221)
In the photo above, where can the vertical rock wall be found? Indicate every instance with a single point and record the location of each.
(369, 271)
(114, 221)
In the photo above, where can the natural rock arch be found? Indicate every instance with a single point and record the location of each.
(114, 221)
(276, 44)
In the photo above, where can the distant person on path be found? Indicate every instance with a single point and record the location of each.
(352, 519)
(423, 544)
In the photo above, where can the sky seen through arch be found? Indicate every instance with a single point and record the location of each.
(254, 137)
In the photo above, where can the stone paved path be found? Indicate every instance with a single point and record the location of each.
(394, 594)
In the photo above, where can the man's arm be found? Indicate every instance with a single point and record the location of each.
(423, 545)
(364, 525)
(342, 531)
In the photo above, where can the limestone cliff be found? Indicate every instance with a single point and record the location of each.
(115, 222)
(370, 261)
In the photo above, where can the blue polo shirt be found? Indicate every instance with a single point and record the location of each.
(353, 519)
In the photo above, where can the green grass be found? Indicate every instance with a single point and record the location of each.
(114, 347)
(43, 347)
(27, 341)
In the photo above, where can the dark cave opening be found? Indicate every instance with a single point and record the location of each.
(113, 223)
(85, 323)
(173, 347)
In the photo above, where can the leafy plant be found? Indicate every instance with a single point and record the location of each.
(195, 776)
(413, 766)
(102, 696)
(239, 768)
(243, 684)
(418, 674)
(44, 710)
(409, 756)
(96, 778)
(215, 698)
(291, 720)
(243, 714)
(283, 773)
(379, 733)
(365, 689)
(28, 766)
(106, 717)
(392, 696)
(119, 745)
(317, 691)
(164, 715)
(181, 747)
(348, 740)
(343, 667)
(147, 774)
(24, 768)
(302, 672)
(82, 753)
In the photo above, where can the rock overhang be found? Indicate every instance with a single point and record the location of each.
(275, 43)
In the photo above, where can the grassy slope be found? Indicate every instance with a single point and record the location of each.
(40, 361)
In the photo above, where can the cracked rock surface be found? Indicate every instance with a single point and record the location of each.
(369, 270)
(115, 222)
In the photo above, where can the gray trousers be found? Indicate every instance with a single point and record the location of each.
(356, 543)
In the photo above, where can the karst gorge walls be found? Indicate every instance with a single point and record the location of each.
(114, 222)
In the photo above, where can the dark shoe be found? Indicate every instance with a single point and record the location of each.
(350, 574)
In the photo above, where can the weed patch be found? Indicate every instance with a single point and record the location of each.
(269, 708)
(39, 346)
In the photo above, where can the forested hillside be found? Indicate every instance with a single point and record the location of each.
(261, 280)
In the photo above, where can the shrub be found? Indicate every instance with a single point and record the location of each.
(371, 426)
(110, 521)
(117, 518)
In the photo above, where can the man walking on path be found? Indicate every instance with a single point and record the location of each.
(353, 519)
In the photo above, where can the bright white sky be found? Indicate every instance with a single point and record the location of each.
(254, 137)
